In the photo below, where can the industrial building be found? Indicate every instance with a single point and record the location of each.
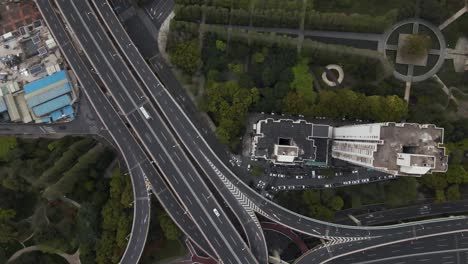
(50, 98)
(403, 149)
(290, 142)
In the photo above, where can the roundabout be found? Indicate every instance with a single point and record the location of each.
(414, 69)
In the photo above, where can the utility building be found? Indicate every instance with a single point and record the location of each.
(396, 148)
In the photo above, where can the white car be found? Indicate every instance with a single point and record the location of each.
(299, 177)
(215, 211)
(327, 185)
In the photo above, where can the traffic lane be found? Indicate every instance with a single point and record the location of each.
(204, 218)
(110, 116)
(337, 251)
(413, 212)
(146, 137)
(157, 90)
(96, 43)
(141, 207)
(451, 256)
(158, 10)
(436, 243)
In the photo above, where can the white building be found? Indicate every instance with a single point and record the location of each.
(394, 148)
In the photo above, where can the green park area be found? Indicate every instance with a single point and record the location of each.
(232, 71)
(62, 197)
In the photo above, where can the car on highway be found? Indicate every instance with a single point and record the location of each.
(215, 211)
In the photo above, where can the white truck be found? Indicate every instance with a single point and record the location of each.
(144, 112)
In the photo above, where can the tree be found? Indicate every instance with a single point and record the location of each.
(123, 229)
(220, 45)
(171, 231)
(416, 46)
(105, 248)
(257, 170)
(7, 214)
(228, 103)
(456, 174)
(295, 104)
(435, 181)
(311, 197)
(186, 56)
(440, 196)
(453, 192)
(395, 108)
(303, 81)
(336, 203)
(401, 191)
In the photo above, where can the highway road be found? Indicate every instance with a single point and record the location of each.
(205, 157)
(336, 251)
(155, 137)
(195, 145)
(443, 249)
(139, 166)
(405, 213)
(248, 221)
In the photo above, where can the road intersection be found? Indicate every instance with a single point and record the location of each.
(169, 151)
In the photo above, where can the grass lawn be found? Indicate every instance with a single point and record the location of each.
(170, 249)
(370, 7)
(6, 144)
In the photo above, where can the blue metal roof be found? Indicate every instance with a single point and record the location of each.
(48, 95)
(3, 107)
(51, 105)
(46, 119)
(67, 111)
(46, 81)
(56, 115)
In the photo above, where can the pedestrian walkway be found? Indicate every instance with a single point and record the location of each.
(454, 17)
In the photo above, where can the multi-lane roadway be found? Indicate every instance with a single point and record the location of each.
(140, 168)
(153, 134)
(171, 141)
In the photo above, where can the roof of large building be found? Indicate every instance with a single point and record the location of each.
(51, 105)
(397, 148)
(287, 141)
(37, 99)
(67, 111)
(44, 82)
(414, 139)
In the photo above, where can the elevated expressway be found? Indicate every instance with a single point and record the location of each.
(139, 166)
(194, 144)
(206, 158)
(154, 136)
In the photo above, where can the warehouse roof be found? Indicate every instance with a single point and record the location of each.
(48, 95)
(51, 105)
(44, 82)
